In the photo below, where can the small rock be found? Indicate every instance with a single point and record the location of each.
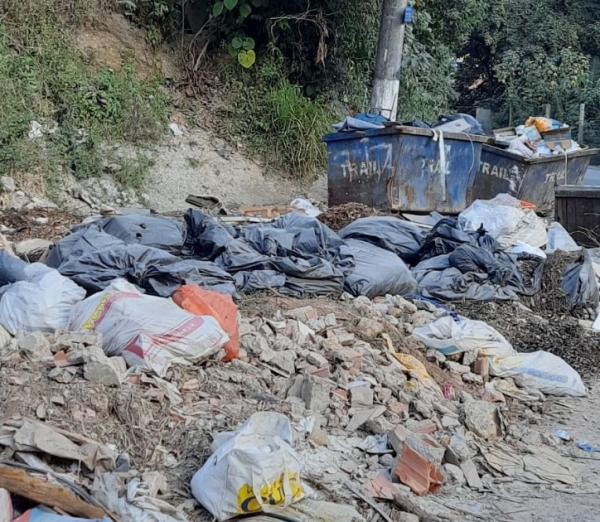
(361, 415)
(424, 409)
(40, 411)
(104, 370)
(379, 425)
(7, 184)
(449, 422)
(41, 220)
(63, 375)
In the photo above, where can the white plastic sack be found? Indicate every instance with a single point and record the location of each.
(560, 239)
(305, 207)
(465, 335)
(250, 468)
(541, 371)
(505, 221)
(41, 302)
(149, 332)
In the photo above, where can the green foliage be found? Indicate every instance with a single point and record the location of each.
(277, 119)
(44, 78)
(133, 171)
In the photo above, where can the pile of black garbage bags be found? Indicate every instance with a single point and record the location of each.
(295, 255)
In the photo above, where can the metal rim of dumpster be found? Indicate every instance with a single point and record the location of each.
(403, 129)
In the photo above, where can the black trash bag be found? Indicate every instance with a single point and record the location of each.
(500, 268)
(208, 240)
(153, 231)
(306, 276)
(377, 271)
(403, 238)
(580, 284)
(93, 259)
(259, 280)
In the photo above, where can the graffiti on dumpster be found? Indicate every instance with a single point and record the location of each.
(375, 162)
(513, 175)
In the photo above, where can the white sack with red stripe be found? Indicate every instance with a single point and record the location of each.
(149, 332)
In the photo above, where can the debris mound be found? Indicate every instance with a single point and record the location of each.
(338, 217)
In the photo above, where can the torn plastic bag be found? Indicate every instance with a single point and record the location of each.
(376, 271)
(252, 467)
(500, 268)
(539, 370)
(41, 301)
(149, 332)
(560, 239)
(390, 233)
(152, 231)
(445, 236)
(456, 335)
(503, 218)
(208, 240)
(94, 259)
(12, 268)
(310, 276)
(580, 284)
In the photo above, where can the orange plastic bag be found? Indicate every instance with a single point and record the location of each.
(199, 301)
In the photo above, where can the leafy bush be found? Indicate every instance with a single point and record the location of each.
(45, 78)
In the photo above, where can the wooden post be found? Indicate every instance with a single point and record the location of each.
(548, 110)
(384, 99)
(581, 129)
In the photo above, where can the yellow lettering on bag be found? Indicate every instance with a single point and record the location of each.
(96, 314)
(272, 494)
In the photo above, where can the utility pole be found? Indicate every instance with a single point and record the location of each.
(384, 99)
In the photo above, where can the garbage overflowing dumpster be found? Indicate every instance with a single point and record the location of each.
(403, 168)
(533, 180)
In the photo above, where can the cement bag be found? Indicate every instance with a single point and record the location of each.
(41, 302)
(376, 271)
(542, 371)
(451, 336)
(149, 332)
(253, 467)
(505, 219)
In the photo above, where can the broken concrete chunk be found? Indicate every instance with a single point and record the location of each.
(32, 250)
(400, 438)
(471, 476)
(469, 357)
(454, 474)
(316, 393)
(303, 314)
(455, 367)
(316, 359)
(379, 425)
(285, 361)
(472, 378)
(361, 396)
(435, 356)
(404, 516)
(34, 346)
(370, 328)
(361, 415)
(481, 417)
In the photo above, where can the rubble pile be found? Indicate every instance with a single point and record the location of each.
(145, 378)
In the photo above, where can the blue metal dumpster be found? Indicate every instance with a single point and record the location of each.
(531, 180)
(402, 168)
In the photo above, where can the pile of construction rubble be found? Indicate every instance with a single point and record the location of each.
(145, 379)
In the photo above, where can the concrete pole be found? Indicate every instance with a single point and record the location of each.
(384, 99)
